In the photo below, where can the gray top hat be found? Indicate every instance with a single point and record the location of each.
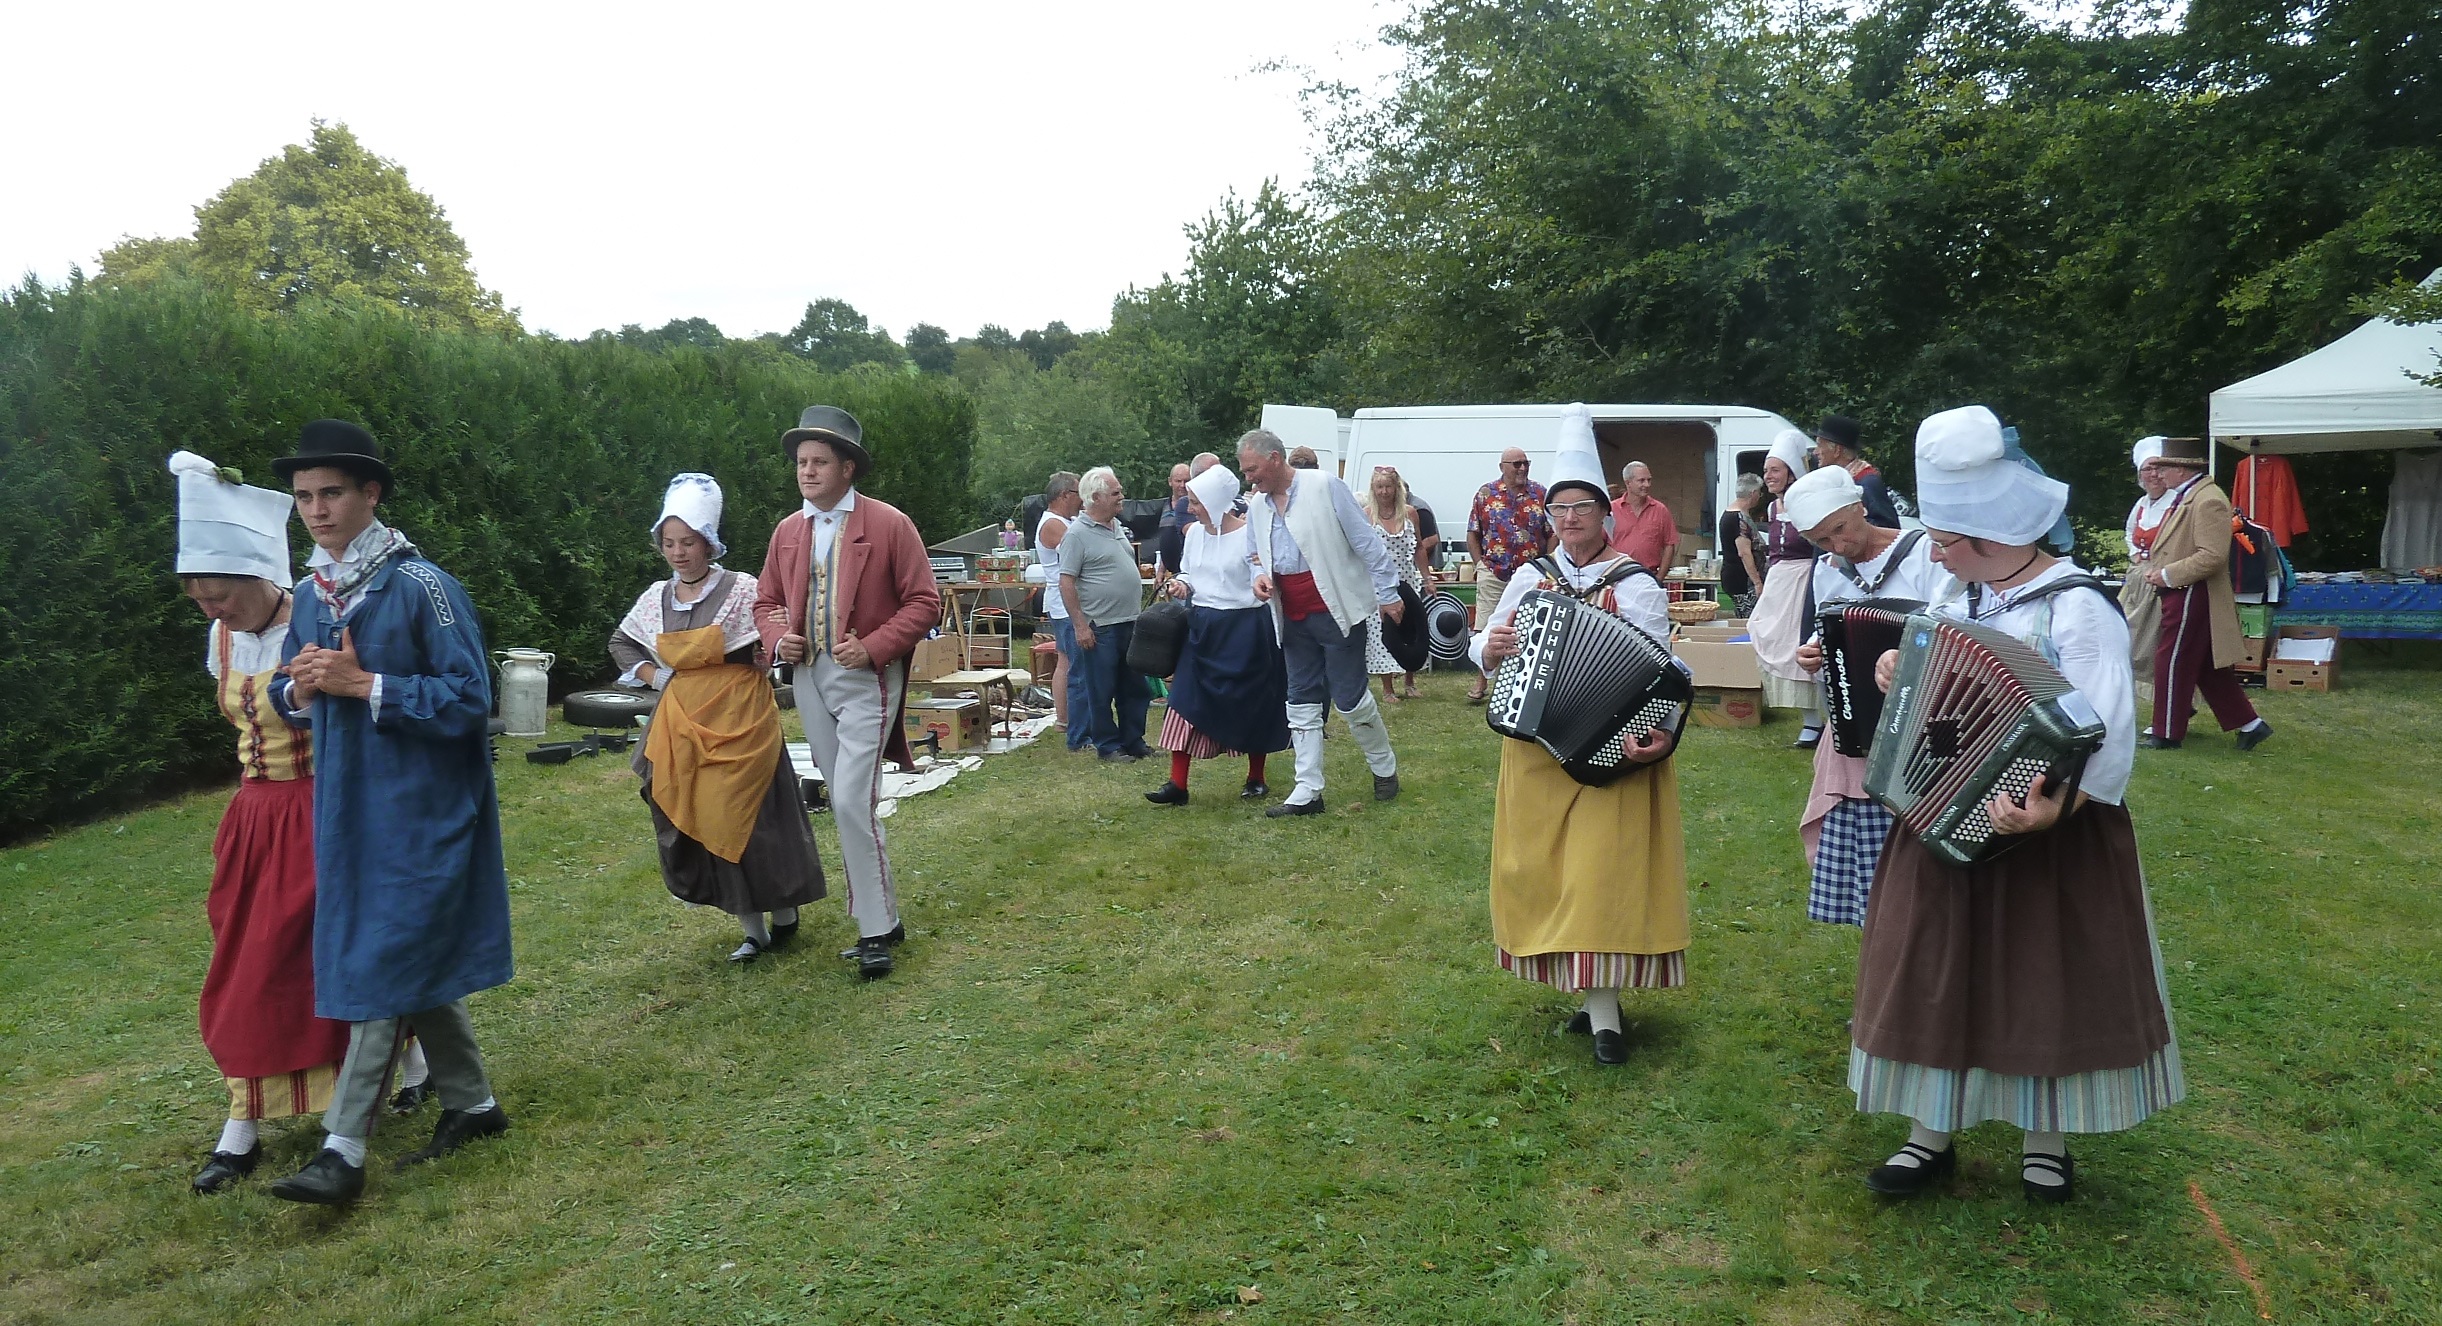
(835, 426)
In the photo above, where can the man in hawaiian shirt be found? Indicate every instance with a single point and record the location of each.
(1506, 529)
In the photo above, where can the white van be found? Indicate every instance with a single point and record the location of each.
(1446, 452)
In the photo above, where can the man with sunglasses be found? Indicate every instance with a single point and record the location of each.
(1507, 527)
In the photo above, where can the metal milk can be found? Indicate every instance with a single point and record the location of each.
(525, 690)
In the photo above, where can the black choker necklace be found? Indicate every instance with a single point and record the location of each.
(2022, 566)
(707, 575)
(274, 615)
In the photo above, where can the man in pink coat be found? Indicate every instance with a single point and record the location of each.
(846, 592)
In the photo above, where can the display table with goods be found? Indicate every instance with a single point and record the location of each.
(2407, 608)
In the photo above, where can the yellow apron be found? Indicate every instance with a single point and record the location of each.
(713, 743)
(1578, 869)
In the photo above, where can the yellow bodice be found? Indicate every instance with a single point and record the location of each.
(267, 747)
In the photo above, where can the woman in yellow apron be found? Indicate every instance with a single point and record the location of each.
(727, 811)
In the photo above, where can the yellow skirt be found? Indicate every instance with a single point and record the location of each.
(1591, 870)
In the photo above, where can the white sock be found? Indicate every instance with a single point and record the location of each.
(488, 1103)
(350, 1149)
(2050, 1144)
(237, 1137)
(1812, 719)
(752, 924)
(785, 916)
(412, 1068)
(1924, 1137)
(1603, 1009)
(2251, 725)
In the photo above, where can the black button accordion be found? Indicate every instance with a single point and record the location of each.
(1974, 714)
(1856, 633)
(1584, 685)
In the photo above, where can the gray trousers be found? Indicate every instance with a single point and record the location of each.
(448, 1037)
(1323, 659)
(848, 713)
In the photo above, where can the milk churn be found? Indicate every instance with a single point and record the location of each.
(525, 690)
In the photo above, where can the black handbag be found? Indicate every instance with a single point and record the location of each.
(1161, 636)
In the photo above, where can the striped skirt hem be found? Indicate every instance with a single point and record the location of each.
(1571, 972)
(2106, 1100)
(305, 1091)
(1180, 735)
(1845, 855)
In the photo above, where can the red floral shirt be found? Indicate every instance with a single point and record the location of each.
(1511, 526)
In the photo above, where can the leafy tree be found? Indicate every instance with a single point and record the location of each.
(697, 332)
(837, 338)
(1030, 422)
(929, 347)
(326, 219)
(1047, 346)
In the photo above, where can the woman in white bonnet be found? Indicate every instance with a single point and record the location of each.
(1230, 692)
(2025, 989)
(1778, 624)
(728, 814)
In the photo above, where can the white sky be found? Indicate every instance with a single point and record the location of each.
(608, 163)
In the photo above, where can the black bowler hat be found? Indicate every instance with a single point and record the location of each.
(340, 445)
(1839, 428)
(835, 426)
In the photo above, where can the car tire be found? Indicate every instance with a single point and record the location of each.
(608, 708)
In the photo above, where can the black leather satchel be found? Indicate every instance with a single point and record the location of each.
(1161, 636)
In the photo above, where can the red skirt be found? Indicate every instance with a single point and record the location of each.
(257, 1013)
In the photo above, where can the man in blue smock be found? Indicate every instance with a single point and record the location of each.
(385, 665)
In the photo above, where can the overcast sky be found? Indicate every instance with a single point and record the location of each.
(608, 163)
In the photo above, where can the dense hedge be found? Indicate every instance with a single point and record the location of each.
(529, 467)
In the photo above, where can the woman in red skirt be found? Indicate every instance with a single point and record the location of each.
(257, 1012)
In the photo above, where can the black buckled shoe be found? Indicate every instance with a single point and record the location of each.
(1610, 1048)
(223, 1168)
(410, 1099)
(873, 960)
(327, 1180)
(746, 951)
(2048, 1163)
(1255, 790)
(456, 1129)
(2251, 737)
(896, 937)
(1386, 788)
(1288, 808)
(1168, 794)
(1909, 1180)
(1808, 739)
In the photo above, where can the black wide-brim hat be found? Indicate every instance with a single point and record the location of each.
(1839, 428)
(1446, 626)
(338, 444)
(1409, 640)
(835, 426)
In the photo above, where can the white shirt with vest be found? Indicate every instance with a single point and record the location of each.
(1323, 532)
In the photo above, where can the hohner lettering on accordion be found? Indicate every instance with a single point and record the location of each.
(1585, 685)
(1973, 714)
(1856, 633)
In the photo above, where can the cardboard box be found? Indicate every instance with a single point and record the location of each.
(932, 658)
(2251, 654)
(959, 723)
(1722, 664)
(1727, 706)
(1715, 632)
(987, 650)
(2283, 674)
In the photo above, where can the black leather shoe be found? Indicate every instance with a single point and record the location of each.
(1808, 740)
(782, 934)
(1909, 1180)
(410, 1099)
(747, 951)
(1168, 794)
(1255, 790)
(2250, 738)
(873, 961)
(327, 1180)
(1140, 750)
(896, 937)
(224, 1168)
(2151, 742)
(2048, 1192)
(1610, 1047)
(1287, 808)
(1386, 788)
(456, 1129)
(1580, 1024)
(1118, 757)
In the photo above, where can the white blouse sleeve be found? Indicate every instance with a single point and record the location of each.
(2093, 642)
(1511, 596)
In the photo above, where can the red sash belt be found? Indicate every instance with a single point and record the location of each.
(1298, 596)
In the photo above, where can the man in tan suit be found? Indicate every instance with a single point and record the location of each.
(2185, 561)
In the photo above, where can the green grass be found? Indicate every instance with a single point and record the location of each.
(1135, 1061)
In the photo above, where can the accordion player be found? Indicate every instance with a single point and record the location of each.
(1585, 685)
(1856, 633)
(1974, 714)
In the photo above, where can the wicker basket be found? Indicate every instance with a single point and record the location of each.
(1688, 612)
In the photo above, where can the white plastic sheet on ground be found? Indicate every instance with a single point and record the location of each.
(898, 785)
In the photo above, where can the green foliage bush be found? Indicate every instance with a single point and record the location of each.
(529, 467)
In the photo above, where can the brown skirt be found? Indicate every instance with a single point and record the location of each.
(2038, 963)
(778, 869)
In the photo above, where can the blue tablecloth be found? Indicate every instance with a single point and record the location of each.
(2366, 612)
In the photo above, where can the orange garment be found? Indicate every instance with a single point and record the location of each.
(713, 742)
(2265, 490)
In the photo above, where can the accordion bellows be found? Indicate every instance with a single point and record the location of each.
(1973, 714)
(1856, 633)
(1584, 685)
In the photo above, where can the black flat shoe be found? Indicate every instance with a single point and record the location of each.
(1386, 788)
(456, 1129)
(1610, 1047)
(2151, 742)
(782, 934)
(224, 1168)
(896, 937)
(410, 1099)
(2250, 738)
(1168, 794)
(1140, 750)
(327, 1180)
(1909, 1180)
(2047, 1192)
(1118, 757)
(873, 961)
(1287, 808)
(1808, 740)
(1255, 790)
(1580, 1024)
(747, 952)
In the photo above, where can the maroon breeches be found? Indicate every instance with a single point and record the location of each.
(2183, 665)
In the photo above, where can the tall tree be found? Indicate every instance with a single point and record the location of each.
(930, 348)
(837, 338)
(325, 219)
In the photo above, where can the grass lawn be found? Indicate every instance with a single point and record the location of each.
(1194, 1065)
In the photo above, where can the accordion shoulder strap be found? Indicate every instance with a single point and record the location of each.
(1899, 554)
(1975, 594)
(1549, 569)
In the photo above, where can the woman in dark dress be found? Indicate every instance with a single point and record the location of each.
(727, 810)
(1741, 543)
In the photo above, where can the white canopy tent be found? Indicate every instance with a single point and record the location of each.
(2360, 393)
